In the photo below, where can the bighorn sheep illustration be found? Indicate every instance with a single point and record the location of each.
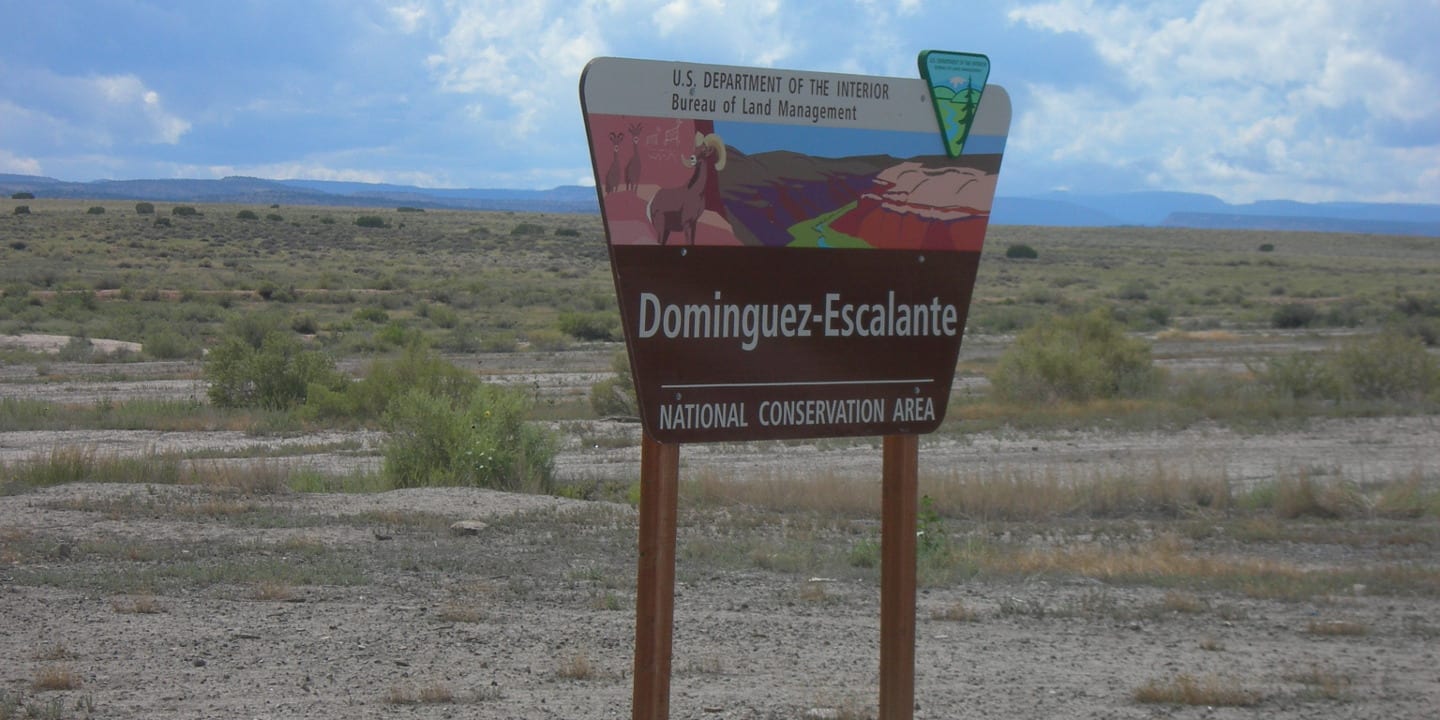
(632, 169)
(679, 208)
(612, 177)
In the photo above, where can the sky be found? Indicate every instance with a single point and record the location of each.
(1318, 100)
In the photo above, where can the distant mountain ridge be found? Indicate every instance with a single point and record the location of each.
(1159, 209)
(565, 199)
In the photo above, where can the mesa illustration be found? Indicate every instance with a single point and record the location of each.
(669, 181)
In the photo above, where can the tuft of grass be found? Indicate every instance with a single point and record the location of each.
(607, 600)
(458, 612)
(576, 667)
(55, 677)
(1186, 689)
(1322, 682)
(1212, 644)
(1337, 628)
(814, 592)
(1182, 602)
(955, 612)
(137, 605)
(432, 694)
(272, 591)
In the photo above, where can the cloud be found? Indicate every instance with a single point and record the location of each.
(78, 113)
(12, 163)
(1241, 99)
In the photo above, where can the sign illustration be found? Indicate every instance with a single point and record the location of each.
(957, 82)
(793, 251)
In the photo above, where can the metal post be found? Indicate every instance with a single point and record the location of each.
(897, 577)
(655, 582)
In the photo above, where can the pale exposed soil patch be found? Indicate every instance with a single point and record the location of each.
(55, 343)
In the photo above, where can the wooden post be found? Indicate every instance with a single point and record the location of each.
(655, 583)
(897, 577)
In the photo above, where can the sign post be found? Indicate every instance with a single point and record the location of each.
(794, 255)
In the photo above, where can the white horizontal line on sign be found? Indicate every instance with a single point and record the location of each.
(811, 383)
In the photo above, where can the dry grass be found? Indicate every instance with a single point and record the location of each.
(1171, 560)
(458, 612)
(955, 612)
(258, 477)
(1323, 682)
(432, 694)
(576, 667)
(1337, 628)
(1301, 495)
(1197, 336)
(1185, 689)
(824, 492)
(980, 494)
(1212, 644)
(814, 592)
(137, 605)
(55, 677)
(1182, 602)
(272, 591)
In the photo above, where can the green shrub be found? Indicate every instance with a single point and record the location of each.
(1021, 251)
(275, 373)
(370, 221)
(615, 396)
(329, 220)
(144, 208)
(167, 344)
(408, 209)
(1388, 366)
(184, 211)
(372, 313)
(76, 349)
(305, 324)
(1293, 315)
(481, 440)
(442, 316)
(526, 228)
(275, 217)
(1075, 358)
(590, 326)
(22, 196)
(1267, 247)
(22, 209)
(1299, 376)
(567, 232)
(247, 215)
(95, 210)
(162, 222)
(384, 381)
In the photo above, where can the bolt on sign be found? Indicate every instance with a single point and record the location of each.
(794, 252)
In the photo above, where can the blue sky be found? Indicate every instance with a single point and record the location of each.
(1306, 100)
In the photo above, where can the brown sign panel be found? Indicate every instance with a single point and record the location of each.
(794, 252)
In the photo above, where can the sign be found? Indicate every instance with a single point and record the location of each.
(794, 252)
(957, 82)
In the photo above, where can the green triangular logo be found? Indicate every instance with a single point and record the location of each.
(956, 82)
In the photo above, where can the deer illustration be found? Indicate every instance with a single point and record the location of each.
(632, 169)
(612, 177)
(678, 209)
